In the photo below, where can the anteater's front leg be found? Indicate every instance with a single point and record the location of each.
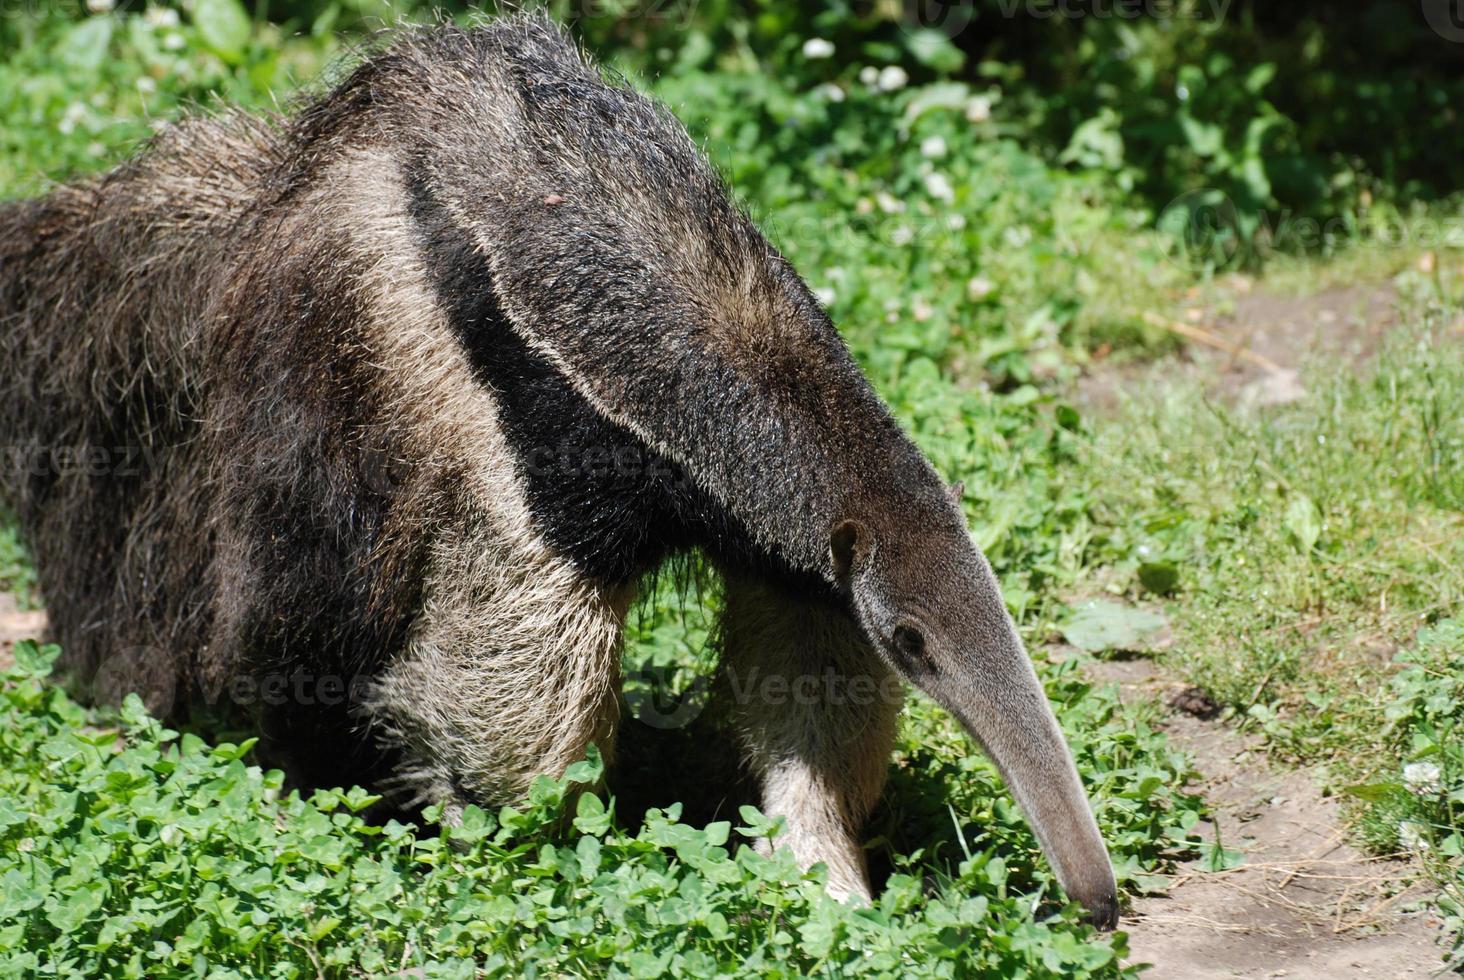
(512, 670)
(813, 708)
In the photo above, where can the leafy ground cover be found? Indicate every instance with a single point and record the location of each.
(1306, 557)
(134, 851)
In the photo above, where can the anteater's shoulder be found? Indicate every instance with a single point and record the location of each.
(444, 69)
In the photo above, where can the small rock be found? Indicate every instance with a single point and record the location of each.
(1275, 388)
(1193, 701)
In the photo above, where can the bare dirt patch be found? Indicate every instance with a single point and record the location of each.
(1304, 904)
(1250, 346)
(1347, 323)
(17, 624)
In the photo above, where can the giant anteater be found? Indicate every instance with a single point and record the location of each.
(415, 384)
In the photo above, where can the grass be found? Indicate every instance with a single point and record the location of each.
(1328, 531)
(1318, 550)
(1315, 550)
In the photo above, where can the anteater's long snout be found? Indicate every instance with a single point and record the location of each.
(1004, 708)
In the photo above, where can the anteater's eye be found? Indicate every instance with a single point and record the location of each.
(908, 643)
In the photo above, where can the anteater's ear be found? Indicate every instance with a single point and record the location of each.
(957, 490)
(848, 543)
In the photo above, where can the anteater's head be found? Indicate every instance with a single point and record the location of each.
(927, 599)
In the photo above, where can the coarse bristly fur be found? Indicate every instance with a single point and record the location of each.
(408, 390)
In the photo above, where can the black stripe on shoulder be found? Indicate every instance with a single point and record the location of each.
(597, 493)
(601, 496)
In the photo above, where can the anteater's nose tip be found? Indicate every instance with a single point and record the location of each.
(1103, 911)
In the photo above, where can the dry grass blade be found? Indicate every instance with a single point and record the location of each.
(1211, 339)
